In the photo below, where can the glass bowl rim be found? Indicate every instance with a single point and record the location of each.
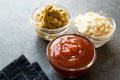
(112, 21)
(69, 15)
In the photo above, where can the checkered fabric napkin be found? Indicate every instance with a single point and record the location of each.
(21, 69)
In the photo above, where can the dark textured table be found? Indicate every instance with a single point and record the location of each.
(18, 37)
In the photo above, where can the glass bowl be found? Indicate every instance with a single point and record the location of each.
(49, 34)
(68, 63)
(98, 41)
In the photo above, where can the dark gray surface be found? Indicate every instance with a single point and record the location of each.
(17, 36)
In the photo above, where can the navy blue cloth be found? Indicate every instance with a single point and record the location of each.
(21, 69)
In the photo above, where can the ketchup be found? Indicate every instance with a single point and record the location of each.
(70, 55)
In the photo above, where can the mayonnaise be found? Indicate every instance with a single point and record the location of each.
(93, 25)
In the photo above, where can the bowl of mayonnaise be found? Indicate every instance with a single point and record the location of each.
(95, 26)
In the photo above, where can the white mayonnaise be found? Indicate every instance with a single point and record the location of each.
(93, 25)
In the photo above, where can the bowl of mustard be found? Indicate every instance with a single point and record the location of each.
(50, 21)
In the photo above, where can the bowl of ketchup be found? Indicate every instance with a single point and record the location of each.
(71, 55)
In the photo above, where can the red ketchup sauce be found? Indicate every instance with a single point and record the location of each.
(71, 55)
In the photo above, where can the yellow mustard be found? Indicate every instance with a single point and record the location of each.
(50, 17)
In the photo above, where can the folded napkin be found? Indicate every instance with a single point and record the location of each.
(21, 69)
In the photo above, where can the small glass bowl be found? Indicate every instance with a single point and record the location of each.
(50, 34)
(99, 41)
(70, 73)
